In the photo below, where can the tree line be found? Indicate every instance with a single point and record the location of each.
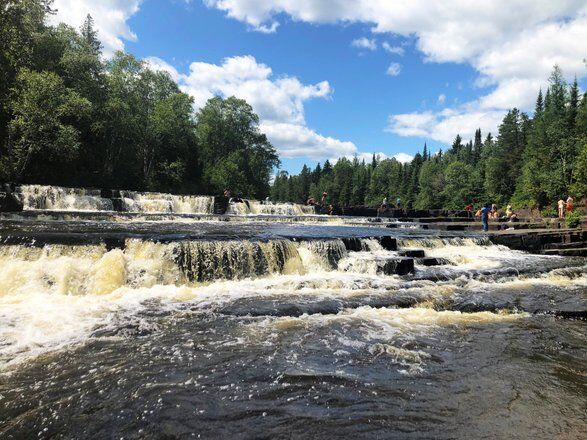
(532, 162)
(69, 117)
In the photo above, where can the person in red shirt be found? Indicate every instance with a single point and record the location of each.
(569, 204)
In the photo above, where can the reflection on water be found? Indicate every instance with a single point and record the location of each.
(263, 335)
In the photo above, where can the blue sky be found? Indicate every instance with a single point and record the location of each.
(343, 77)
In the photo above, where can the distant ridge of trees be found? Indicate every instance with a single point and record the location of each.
(532, 162)
(68, 117)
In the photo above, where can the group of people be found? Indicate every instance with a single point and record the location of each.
(385, 205)
(490, 212)
(231, 199)
(565, 206)
(312, 202)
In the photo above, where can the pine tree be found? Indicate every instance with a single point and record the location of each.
(573, 106)
(477, 146)
(539, 109)
(90, 35)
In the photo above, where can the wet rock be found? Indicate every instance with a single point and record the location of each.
(432, 261)
(353, 244)
(396, 266)
(388, 243)
(412, 253)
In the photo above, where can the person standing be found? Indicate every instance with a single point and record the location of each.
(561, 208)
(485, 217)
(569, 204)
(384, 203)
(469, 210)
(398, 202)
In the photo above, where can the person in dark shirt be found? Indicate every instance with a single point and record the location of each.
(485, 211)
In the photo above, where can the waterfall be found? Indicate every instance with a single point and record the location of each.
(254, 207)
(55, 198)
(166, 203)
(62, 199)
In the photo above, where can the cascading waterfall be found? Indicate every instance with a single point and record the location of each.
(55, 198)
(166, 203)
(86, 270)
(228, 323)
(43, 197)
(254, 207)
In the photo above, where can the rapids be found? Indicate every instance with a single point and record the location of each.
(187, 327)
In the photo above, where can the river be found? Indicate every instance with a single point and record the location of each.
(274, 323)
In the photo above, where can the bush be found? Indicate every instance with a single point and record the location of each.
(549, 212)
(573, 219)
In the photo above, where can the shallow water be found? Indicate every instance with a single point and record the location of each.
(241, 330)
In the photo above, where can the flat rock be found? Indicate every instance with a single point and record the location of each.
(432, 261)
(412, 253)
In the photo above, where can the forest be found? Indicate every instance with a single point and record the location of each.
(69, 117)
(532, 161)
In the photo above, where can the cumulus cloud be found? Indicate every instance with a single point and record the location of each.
(441, 98)
(396, 50)
(394, 69)
(294, 140)
(110, 17)
(367, 157)
(512, 44)
(403, 157)
(444, 125)
(279, 102)
(364, 43)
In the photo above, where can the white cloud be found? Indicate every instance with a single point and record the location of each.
(445, 125)
(110, 17)
(367, 157)
(364, 43)
(512, 44)
(403, 157)
(441, 98)
(279, 102)
(295, 140)
(394, 69)
(397, 50)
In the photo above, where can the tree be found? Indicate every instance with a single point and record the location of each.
(228, 133)
(21, 22)
(459, 189)
(43, 139)
(503, 165)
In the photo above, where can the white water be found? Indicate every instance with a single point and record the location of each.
(57, 296)
(55, 198)
(62, 199)
(166, 203)
(255, 207)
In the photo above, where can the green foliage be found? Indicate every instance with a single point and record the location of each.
(235, 154)
(579, 186)
(43, 139)
(69, 118)
(573, 219)
(549, 212)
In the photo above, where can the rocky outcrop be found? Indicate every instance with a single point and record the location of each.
(8, 201)
(570, 242)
